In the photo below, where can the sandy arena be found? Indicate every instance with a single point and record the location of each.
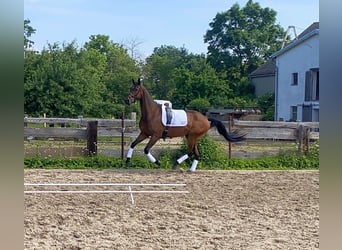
(223, 210)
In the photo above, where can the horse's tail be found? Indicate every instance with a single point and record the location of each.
(235, 136)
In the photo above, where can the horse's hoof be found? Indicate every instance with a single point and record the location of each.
(157, 162)
(175, 166)
(128, 163)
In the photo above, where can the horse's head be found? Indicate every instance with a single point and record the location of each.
(135, 93)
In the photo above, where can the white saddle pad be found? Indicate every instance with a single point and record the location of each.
(179, 118)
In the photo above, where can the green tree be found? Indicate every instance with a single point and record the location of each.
(174, 74)
(200, 104)
(159, 67)
(198, 80)
(63, 82)
(266, 105)
(241, 39)
(120, 70)
(28, 32)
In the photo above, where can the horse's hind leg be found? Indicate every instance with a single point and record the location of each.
(192, 149)
(195, 161)
(179, 161)
(139, 139)
(184, 157)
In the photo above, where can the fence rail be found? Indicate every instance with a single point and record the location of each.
(278, 130)
(90, 129)
(81, 121)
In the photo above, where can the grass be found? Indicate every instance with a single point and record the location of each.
(213, 156)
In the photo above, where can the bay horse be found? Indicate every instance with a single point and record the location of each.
(151, 126)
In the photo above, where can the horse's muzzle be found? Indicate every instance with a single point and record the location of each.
(127, 102)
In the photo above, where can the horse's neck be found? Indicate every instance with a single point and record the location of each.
(147, 105)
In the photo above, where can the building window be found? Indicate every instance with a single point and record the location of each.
(312, 85)
(293, 114)
(307, 113)
(316, 86)
(294, 78)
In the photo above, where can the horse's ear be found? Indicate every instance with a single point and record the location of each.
(133, 82)
(138, 81)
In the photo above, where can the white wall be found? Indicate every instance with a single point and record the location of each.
(298, 59)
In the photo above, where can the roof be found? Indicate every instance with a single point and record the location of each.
(267, 69)
(313, 26)
(309, 32)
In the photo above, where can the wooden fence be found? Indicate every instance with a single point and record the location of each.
(302, 132)
(90, 129)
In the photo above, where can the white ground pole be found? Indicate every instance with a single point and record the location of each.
(130, 191)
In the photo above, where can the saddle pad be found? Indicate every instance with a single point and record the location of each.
(179, 118)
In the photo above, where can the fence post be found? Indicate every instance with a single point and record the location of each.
(92, 138)
(230, 125)
(303, 138)
(306, 136)
(25, 117)
(300, 138)
(122, 134)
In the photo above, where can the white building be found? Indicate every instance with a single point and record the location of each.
(297, 78)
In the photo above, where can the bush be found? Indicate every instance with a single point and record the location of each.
(212, 156)
(200, 104)
(266, 105)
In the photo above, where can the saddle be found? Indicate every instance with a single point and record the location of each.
(172, 118)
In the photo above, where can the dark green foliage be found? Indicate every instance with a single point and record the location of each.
(200, 104)
(210, 153)
(98, 162)
(28, 32)
(242, 38)
(239, 41)
(65, 80)
(266, 105)
(283, 162)
(213, 156)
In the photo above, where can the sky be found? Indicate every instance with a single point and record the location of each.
(148, 23)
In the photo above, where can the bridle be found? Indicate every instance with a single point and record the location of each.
(134, 93)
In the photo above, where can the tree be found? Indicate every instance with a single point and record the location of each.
(63, 82)
(266, 105)
(241, 39)
(120, 69)
(174, 74)
(159, 67)
(132, 46)
(28, 32)
(198, 80)
(200, 104)
(67, 81)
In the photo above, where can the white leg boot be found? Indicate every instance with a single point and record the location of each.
(193, 165)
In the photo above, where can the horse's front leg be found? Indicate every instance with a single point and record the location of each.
(139, 139)
(149, 145)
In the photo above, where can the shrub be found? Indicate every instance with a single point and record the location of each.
(212, 156)
(200, 104)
